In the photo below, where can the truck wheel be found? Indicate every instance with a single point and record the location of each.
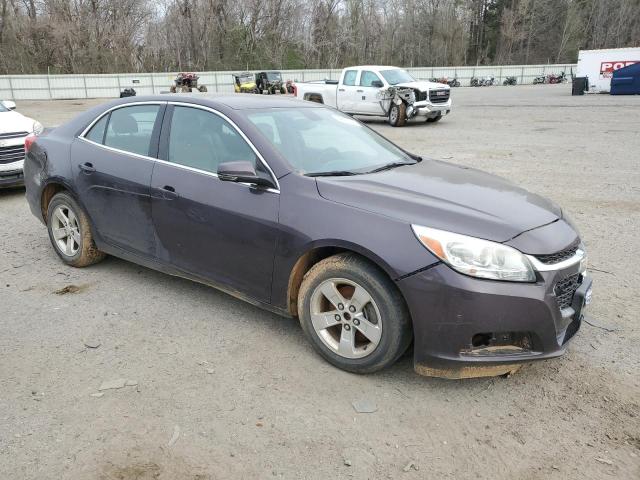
(398, 115)
(434, 119)
(353, 314)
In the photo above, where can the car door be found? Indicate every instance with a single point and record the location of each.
(112, 164)
(221, 231)
(367, 101)
(345, 99)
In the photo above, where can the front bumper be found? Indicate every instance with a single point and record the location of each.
(515, 322)
(11, 174)
(12, 161)
(427, 109)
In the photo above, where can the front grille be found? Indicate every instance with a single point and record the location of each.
(4, 136)
(439, 96)
(421, 96)
(11, 154)
(565, 289)
(559, 256)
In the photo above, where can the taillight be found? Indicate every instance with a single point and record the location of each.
(28, 141)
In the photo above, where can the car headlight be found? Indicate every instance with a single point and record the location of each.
(37, 128)
(476, 257)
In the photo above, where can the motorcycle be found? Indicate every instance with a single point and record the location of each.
(539, 80)
(553, 78)
(488, 81)
(474, 82)
(454, 83)
(510, 81)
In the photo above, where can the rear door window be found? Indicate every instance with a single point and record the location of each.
(131, 128)
(350, 78)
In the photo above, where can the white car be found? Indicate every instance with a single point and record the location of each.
(380, 91)
(14, 128)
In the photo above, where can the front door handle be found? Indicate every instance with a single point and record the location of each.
(341, 89)
(359, 91)
(169, 193)
(87, 167)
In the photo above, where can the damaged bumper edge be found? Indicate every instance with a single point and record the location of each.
(472, 371)
(465, 327)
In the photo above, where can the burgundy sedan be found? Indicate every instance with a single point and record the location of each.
(307, 212)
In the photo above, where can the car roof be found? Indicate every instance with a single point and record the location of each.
(373, 67)
(235, 101)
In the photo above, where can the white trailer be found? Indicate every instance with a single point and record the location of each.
(599, 65)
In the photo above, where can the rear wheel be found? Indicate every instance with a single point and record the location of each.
(398, 115)
(70, 232)
(353, 314)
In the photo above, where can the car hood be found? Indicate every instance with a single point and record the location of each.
(424, 86)
(13, 121)
(444, 196)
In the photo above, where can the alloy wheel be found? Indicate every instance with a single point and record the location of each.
(65, 230)
(346, 318)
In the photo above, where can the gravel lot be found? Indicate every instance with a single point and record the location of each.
(225, 390)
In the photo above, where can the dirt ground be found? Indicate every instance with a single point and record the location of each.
(224, 390)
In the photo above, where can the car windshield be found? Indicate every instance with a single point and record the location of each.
(317, 141)
(3, 108)
(396, 76)
(273, 76)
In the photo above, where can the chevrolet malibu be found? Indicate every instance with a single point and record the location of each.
(300, 209)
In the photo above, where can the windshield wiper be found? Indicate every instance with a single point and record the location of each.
(335, 173)
(389, 166)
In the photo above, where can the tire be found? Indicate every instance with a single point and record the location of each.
(384, 314)
(83, 251)
(397, 115)
(202, 88)
(434, 119)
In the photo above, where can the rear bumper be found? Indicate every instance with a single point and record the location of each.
(516, 323)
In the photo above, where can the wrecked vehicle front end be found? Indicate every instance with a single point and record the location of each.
(419, 101)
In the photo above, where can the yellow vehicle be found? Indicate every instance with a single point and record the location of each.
(244, 83)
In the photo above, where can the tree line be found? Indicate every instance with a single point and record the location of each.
(107, 36)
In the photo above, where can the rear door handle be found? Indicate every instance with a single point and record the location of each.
(341, 89)
(87, 167)
(359, 91)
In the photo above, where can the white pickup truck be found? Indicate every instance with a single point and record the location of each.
(380, 91)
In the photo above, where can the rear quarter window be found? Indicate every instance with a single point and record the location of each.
(96, 134)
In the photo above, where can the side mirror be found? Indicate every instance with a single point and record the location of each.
(377, 84)
(9, 104)
(242, 172)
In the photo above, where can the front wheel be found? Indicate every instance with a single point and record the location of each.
(70, 232)
(397, 115)
(353, 315)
